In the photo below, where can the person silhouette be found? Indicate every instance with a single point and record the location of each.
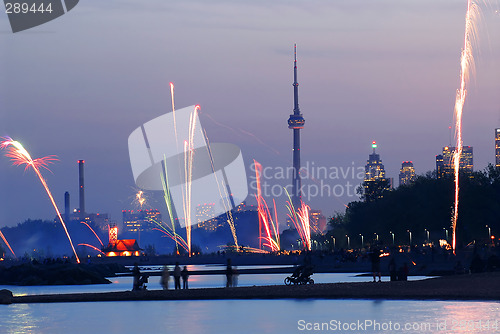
(137, 276)
(392, 269)
(165, 277)
(177, 276)
(229, 274)
(185, 276)
(375, 258)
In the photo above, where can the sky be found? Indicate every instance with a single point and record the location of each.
(384, 70)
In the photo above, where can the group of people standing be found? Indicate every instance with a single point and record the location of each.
(178, 274)
(396, 274)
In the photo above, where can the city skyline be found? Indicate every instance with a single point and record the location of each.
(368, 72)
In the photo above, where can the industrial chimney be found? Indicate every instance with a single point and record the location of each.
(66, 207)
(82, 189)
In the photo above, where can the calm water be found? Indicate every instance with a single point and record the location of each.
(251, 316)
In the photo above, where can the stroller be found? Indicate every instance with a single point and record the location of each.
(301, 275)
(141, 283)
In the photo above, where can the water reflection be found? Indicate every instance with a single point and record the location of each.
(238, 316)
(462, 318)
(25, 318)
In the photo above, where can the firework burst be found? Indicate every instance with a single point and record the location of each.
(466, 67)
(19, 156)
(179, 241)
(140, 199)
(188, 172)
(271, 236)
(100, 241)
(224, 194)
(7, 243)
(300, 219)
(168, 201)
(93, 247)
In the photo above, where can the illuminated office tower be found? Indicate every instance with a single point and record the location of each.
(141, 220)
(406, 173)
(444, 161)
(375, 182)
(497, 148)
(374, 169)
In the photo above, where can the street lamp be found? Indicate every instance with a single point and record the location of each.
(376, 236)
(362, 243)
(333, 243)
(409, 233)
(446, 233)
(348, 242)
(392, 237)
(428, 234)
(489, 231)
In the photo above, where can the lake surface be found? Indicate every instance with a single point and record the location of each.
(252, 316)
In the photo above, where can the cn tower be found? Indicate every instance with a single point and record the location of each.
(296, 122)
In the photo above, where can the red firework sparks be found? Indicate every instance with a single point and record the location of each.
(19, 156)
(271, 237)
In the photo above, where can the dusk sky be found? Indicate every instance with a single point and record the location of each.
(383, 70)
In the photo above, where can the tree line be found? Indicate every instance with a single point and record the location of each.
(424, 209)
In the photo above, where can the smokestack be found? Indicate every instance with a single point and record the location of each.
(66, 207)
(82, 188)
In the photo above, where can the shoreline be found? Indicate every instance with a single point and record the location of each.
(477, 287)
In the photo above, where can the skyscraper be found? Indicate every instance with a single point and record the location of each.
(374, 170)
(444, 161)
(375, 181)
(406, 173)
(497, 148)
(141, 220)
(296, 122)
(317, 221)
(439, 166)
